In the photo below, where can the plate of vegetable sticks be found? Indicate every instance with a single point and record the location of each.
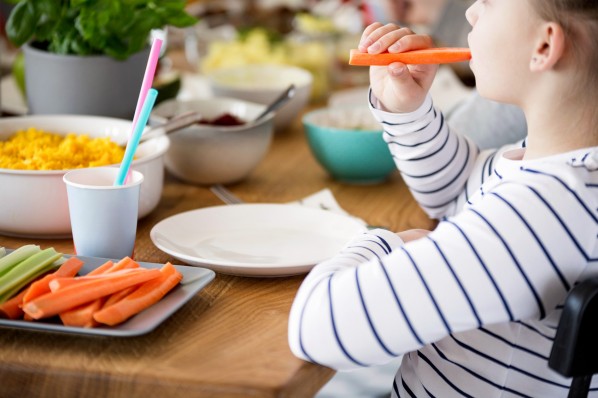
(193, 280)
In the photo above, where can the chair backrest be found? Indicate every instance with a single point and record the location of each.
(575, 348)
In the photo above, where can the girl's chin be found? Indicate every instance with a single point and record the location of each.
(493, 94)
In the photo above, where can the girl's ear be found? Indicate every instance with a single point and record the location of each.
(549, 48)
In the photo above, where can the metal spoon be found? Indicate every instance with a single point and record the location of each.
(278, 102)
(174, 124)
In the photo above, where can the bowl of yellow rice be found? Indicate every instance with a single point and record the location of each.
(36, 151)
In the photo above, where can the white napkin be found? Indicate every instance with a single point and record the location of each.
(325, 200)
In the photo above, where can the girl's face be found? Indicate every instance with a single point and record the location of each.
(502, 44)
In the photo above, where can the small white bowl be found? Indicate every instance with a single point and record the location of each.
(262, 84)
(208, 154)
(34, 203)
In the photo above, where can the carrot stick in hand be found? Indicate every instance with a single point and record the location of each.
(440, 55)
(90, 288)
(143, 297)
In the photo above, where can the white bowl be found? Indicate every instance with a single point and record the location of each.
(34, 203)
(207, 154)
(262, 84)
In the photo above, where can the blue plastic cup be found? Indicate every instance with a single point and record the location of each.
(103, 216)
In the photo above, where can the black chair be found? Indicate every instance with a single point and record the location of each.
(575, 349)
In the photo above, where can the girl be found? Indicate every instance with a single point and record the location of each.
(474, 304)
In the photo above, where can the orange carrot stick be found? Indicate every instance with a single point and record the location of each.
(106, 268)
(441, 55)
(89, 289)
(62, 283)
(143, 297)
(116, 297)
(42, 286)
(125, 263)
(102, 268)
(11, 308)
(82, 316)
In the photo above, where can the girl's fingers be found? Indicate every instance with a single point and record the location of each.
(378, 38)
(390, 40)
(365, 41)
(373, 34)
(369, 30)
(410, 42)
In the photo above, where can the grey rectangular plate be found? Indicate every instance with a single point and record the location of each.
(194, 279)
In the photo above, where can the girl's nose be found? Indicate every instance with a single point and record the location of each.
(472, 13)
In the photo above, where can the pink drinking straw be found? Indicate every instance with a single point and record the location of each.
(146, 85)
(148, 79)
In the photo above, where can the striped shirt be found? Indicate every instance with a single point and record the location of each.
(473, 307)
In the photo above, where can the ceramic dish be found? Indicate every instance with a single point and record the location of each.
(255, 239)
(348, 143)
(33, 203)
(262, 84)
(194, 279)
(209, 154)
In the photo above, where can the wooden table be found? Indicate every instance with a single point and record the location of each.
(228, 341)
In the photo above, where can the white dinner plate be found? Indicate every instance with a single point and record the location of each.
(255, 239)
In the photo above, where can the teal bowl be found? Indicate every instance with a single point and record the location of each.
(347, 142)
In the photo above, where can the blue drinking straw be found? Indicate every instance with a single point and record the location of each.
(135, 137)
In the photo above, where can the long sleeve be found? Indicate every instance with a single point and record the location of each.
(474, 305)
(369, 246)
(511, 256)
(441, 168)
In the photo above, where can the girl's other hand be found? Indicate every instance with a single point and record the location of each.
(412, 234)
(400, 88)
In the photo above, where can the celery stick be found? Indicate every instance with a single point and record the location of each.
(2, 252)
(10, 260)
(17, 288)
(24, 272)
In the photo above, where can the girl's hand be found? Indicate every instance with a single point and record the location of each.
(412, 234)
(400, 88)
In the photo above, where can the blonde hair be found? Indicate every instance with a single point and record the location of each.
(579, 19)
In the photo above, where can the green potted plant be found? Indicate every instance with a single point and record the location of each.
(88, 56)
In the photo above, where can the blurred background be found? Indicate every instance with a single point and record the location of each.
(313, 34)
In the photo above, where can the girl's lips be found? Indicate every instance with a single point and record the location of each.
(469, 46)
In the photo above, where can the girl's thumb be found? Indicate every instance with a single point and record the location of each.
(398, 70)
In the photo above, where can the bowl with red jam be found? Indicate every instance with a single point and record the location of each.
(224, 147)
(262, 83)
